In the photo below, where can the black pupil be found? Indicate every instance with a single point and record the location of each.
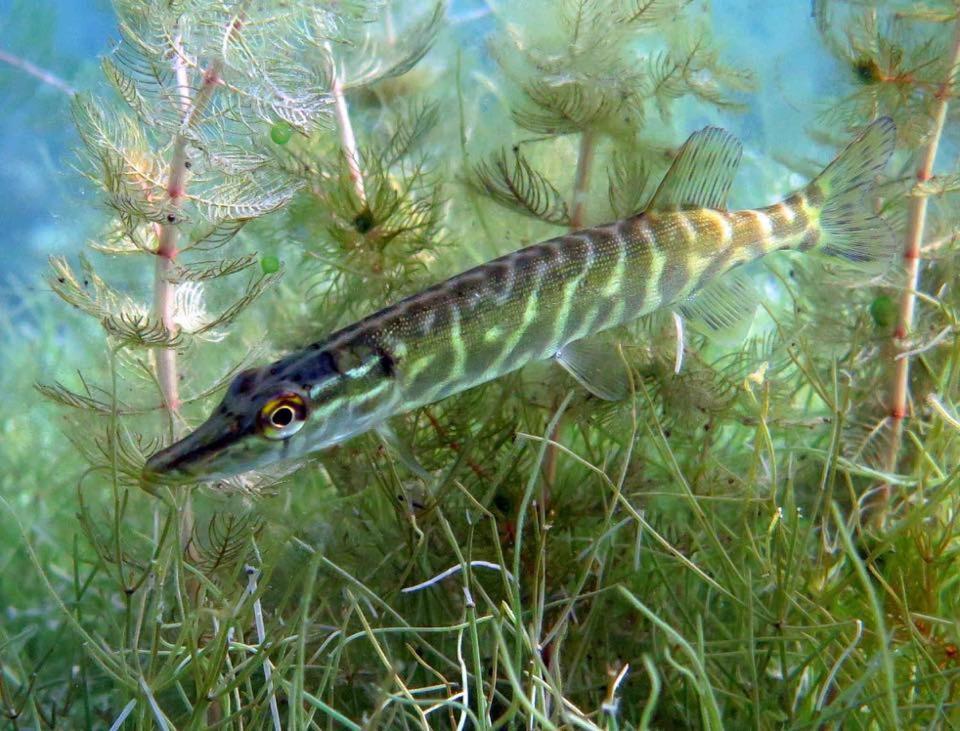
(282, 417)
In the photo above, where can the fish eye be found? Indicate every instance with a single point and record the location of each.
(282, 416)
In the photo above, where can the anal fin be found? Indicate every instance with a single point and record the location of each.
(723, 310)
(596, 365)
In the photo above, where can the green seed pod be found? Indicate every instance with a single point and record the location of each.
(281, 132)
(883, 311)
(269, 264)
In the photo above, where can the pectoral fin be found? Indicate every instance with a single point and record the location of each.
(597, 366)
(723, 310)
(402, 450)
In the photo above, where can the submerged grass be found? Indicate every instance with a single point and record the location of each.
(693, 557)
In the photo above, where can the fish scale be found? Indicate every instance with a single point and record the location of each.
(544, 301)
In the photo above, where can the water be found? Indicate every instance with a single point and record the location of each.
(45, 207)
(720, 574)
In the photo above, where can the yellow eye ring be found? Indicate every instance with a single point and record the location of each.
(282, 416)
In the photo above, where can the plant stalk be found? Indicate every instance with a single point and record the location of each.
(47, 77)
(168, 237)
(348, 141)
(916, 223)
(169, 232)
(167, 251)
(582, 179)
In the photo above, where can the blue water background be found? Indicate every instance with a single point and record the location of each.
(46, 208)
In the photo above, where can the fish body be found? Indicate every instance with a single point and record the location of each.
(543, 301)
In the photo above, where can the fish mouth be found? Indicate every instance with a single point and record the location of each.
(189, 456)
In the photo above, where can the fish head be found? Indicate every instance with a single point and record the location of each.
(253, 426)
(280, 413)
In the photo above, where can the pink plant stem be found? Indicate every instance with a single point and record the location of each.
(916, 222)
(169, 233)
(164, 289)
(348, 142)
(168, 239)
(45, 76)
(582, 179)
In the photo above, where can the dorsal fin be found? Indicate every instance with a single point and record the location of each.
(701, 174)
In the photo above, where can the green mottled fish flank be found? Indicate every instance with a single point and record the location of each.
(527, 305)
(530, 304)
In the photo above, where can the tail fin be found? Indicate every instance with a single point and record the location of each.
(850, 230)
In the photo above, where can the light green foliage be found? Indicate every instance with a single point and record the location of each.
(599, 69)
(692, 556)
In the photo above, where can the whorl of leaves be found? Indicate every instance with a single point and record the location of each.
(895, 66)
(511, 181)
(605, 70)
(138, 329)
(68, 397)
(565, 108)
(363, 57)
(161, 59)
(227, 540)
(365, 253)
(203, 270)
(645, 13)
(937, 185)
(255, 287)
(694, 69)
(89, 292)
(627, 183)
(127, 322)
(409, 132)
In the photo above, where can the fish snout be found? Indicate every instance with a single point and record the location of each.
(188, 455)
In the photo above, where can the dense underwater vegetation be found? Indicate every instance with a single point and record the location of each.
(762, 539)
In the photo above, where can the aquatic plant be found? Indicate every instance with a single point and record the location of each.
(688, 557)
(907, 68)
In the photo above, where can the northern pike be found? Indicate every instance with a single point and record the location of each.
(686, 252)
